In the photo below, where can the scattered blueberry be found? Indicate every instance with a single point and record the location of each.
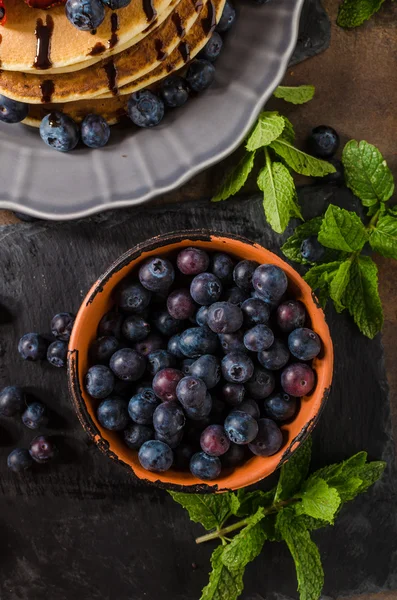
(12, 111)
(99, 381)
(128, 364)
(213, 47)
(19, 460)
(291, 315)
(205, 467)
(32, 346)
(174, 91)
(200, 74)
(62, 325)
(95, 131)
(304, 343)
(157, 274)
(58, 130)
(35, 416)
(237, 367)
(269, 439)
(42, 449)
(156, 456)
(280, 406)
(312, 250)
(228, 17)
(275, 357)
(323, 141)
(338, 177)
(297, 379)
(240, 427)
(57, 353)
(145, 109)
(12, 401)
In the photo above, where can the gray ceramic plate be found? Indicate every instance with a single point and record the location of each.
(138, 165)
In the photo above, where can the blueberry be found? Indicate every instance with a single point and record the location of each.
(280, 406)
(297, 379)
(135, 328)
(270, 282)
(255, 312)
(182, 455)
(191, 392)
(135, 435)
(235, 295)
(323, 141)
(207, 368)
(85, 14)
(171, 440)
(258, 338)
(112, 414)
(145, 109)
(154, 341)
(142, 406)
(168, 418)
(58, 130)
(95, 131)
(233, 393)
(166, 324)
(234, 456)
(205, 467)
(174, 91)
(337, 178)
(12, 111)
(261, 384)
(213, 47)
(304, 343)
(116, 4)
(99, 381)
(250, 407)
(158, 360)
(269, 439)
(200, 413)
(110, 324)
(224, 317)
(223, 265)
(237, 367)
(62, 325)
(228, 17)
(240, 427)
(200, 74)
(275, 357)
(243, 273)
(132, 296)
(35, 416)
(12, 401)
(157, 274)
(42, 449)
(180, 304)
(32, 346)
(57, 353)
(186, 364)
(192, 261)
(173, 346)
(197, 341)
(312, 250)
(291, 315)
(214, 441)
(201, 315)
(205, 289)
(19, 460)
(156, 456)
(232, 342)
(165, 383)
(128, 364)
(102, 349)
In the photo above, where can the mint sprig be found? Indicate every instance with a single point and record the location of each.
(299, 504)
(353, 13)
(296, 95)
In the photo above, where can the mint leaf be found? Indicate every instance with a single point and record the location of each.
(211, 510)
(246, 545)
(251, 501)
(288, 131)
(296, 95)
(318, 500)
(294, 471)
(279, 195)
(392, 210)
(339, 283)
(383, 238)
(370, 473)
(361, 297)
(305, 553)
(342, 230)
(268, 128)
(300, 161)
(367, 173)
(236, 179)
(292, 247)
(224, 583)
(353, 13)
(319, 278)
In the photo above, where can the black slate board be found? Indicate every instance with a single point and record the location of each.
(85, 529)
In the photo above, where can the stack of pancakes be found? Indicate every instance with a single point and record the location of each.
(49, 64)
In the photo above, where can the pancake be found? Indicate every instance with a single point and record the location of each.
(125, 67)
(112, 109)
(68, 45)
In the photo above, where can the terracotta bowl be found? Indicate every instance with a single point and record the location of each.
(99, 300)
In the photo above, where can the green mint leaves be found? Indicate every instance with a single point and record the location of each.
(299, 504)
(383, 238)
(236, 179)
(299, 161)
(353, 13)
(342, 230)
(295, 95)
(267, 129)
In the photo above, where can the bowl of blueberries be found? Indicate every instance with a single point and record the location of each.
(200, 361)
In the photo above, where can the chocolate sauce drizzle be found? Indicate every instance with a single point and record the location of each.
(149, 9)
(114, 22)
(111, 73)
(97, 49)
(161, 54)
(43, 35)
(47, 90)
(184, 49)
(180, 30)
(209, 22)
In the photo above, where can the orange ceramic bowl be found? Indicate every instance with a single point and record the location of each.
(100, 300)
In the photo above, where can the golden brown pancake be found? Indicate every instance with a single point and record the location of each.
(112, 109)
(110, 74)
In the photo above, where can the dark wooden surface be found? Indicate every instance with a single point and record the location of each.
(83, 528)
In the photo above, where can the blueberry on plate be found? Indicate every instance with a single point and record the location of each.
(182, 455)
(174, 91)
(240, 427)
(145, 109)
(235, 295)
(32, 346)
(95, 131)
(99, 381)
(42, 449)
(172, 441)
(86, 15)
(12, 401)
(12, 111)
(228, 17)
(312, 250)
(157, 274)
(59, 131)
(173, 346)
(200, 74)
(112, 414)
(200, 413)
(201, 315)
(269, 439)
(213, 47)
(128, 364)
(205, 467)
(304, 343)
(35, 416)
(156, 456)
(57, 353)
(62, 325)
(323, 141)
(19, 460)
(234, 456)
(166, 324)
(135, 435)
